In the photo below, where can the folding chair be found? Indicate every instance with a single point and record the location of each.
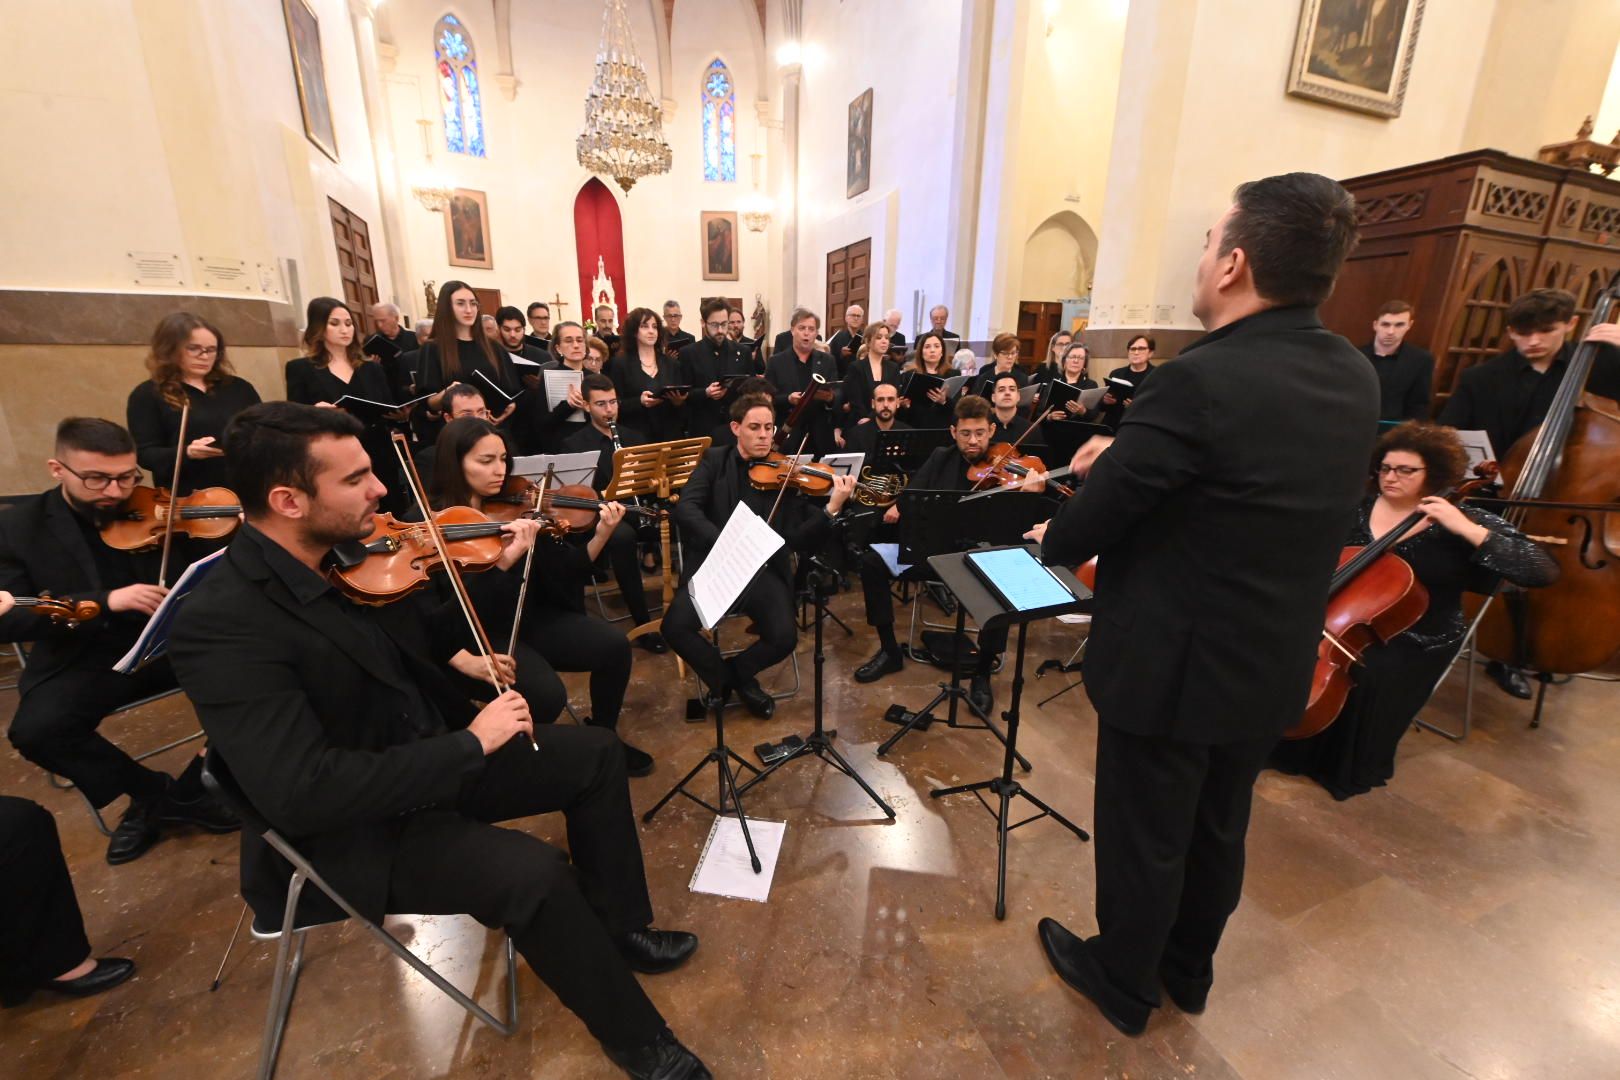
(1465, 652)
(792, 661)
(219, 782)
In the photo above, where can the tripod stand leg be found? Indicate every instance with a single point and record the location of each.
(825, 750)
(918, 718)
(1017, 756)
(727, 780)
(1055, 816)
(1001, 852)
(677, 789)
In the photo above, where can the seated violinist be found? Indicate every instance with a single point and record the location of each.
(555, 633)
(945, 470)
(53, 543)
(717, 486)
(363, 752)
(1451, 550)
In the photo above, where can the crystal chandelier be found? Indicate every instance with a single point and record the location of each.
(623, 136)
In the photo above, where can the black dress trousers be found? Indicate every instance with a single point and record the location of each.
(41, 930)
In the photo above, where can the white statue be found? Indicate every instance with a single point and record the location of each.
(602, 286)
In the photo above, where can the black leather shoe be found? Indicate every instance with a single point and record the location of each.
(1189, 996)
(137, 831)
(884, 663)
(203, 812)
(653, 643)
(662, 1059)
(980, 695)
(637, 762)
(1510, 679)
(108, 973)
(653, 952)
(755, 699)
(1076, 966)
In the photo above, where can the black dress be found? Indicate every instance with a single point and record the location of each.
(857, 389)
(1357, 753)
(154, 424)
(309, 383)
(662, 422)
(924, 414)
(1109, 415)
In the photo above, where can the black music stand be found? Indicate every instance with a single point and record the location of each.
(906, 450)
(989, 610)
(1064, 437)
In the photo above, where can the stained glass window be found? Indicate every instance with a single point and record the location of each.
(460, 98)
(719, 124)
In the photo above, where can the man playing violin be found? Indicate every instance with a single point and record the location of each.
(717, 486)
(52, 542)
(945, 470)
(346, 737)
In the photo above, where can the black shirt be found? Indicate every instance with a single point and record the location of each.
(674, 343)
(1404, 378)
(430, 376)
(1010, 431)
(945, 470)
(1506, 397)
(155, 426)
(862, 439)
(1110, 414)
(985, 380)
(663, 421)
(309, 383)
(844, 339)
(858, 389)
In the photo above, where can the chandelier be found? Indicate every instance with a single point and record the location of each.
(623, 136)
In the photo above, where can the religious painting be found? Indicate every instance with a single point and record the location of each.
(858, 167)
(309, 72)
(719, 245)
(466, 229)
(1356, 54)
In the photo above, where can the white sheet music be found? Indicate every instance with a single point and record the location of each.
(522, 361)
(724, 868)
(577, 468)
(844, 464)
(557, 381)
(745, 545)
(153, 641)
(1477, 444)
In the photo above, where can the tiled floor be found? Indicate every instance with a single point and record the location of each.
(1459, 923)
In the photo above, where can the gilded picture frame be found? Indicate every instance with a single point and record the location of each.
(466, 230)
(309, 73)
(719, 235)
(1355, 54)
(858, 162)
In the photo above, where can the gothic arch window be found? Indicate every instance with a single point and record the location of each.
(719, 123)
(460, 96)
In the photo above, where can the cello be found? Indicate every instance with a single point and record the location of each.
(1563, 478)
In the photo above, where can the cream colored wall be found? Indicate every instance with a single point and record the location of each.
(531, 175)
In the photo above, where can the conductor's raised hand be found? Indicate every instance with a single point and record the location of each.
(1037, 532)
(501, 720)
(1085, 457)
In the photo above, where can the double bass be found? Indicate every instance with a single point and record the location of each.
(1564, 487)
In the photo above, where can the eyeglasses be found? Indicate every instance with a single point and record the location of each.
(715, 325)
(1138, 348)
(202, 350)
(1402, 471)
(100, 481)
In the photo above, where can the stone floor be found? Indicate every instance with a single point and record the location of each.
(1459, 923)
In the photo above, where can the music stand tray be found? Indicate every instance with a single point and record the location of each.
(656, 470)
(907, 449)
(989, 610)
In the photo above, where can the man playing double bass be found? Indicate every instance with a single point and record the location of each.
(1216, 516)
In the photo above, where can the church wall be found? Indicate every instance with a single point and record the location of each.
(532, 176)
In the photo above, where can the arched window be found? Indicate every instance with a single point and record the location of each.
(719, 124)
(459, 94)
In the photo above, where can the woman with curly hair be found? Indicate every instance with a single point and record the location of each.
(1454, 549)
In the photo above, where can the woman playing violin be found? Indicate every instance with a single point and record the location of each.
(1453, 550)
(470, 465)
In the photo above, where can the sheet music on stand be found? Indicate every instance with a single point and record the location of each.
(844, 464)
(1477, 445)
(745, 544)
(577, 468)
(153, 641)
(556, 382)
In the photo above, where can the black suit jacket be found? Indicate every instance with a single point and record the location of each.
(1218, 517)
(788, 375)
(1404, 380)
(702, 363)
(717, 485)
(1489, 396)
(311, 721)
(42, 548)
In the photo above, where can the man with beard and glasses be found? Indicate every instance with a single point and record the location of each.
(52, 543)
(704, 364)
(349, 738)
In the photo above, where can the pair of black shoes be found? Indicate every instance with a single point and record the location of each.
(1075, 964)
(653, 952)
(183, 802)
(885, 662)
(108, 973)
(1510, 679)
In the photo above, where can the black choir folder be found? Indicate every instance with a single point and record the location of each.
(380, 347)
(1055, 395)
(373, 412)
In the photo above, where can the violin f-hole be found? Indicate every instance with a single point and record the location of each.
(1587, 535)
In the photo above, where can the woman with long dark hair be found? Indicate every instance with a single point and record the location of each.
(187, 366)
(1455, 549)
(460, 351)
(470, 465)
(931, 410)
(641, 371)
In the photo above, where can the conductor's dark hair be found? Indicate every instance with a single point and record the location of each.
(1445, 462)
(1295, 230)
(92, 435)
(268, 445)
(970, 407)
(596, 381)
(748, 402)
(1540, 309)
(448, 484)
(508, 313)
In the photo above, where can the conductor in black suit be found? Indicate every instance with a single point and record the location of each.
(1216, 516)
(358, 748)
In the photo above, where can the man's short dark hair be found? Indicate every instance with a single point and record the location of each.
(1393, 307)
(539, 305)
(1296, 230)
(267, 445)
(92, 435)
(456, 392)
(712, 305)
(1540, 309)
(970, 407)
(508, 313)
(596, 381)
(747, 403)
(999, 379)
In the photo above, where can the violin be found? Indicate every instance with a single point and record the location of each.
(62, 610)
(149, 514)
(576, 505)
(1003, 466)
(398, 557)
(777, 471)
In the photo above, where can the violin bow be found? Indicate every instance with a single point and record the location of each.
(458, 586)
(174, 486)
(787, 478)
(528, 564)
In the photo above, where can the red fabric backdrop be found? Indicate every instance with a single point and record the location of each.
(598, 233)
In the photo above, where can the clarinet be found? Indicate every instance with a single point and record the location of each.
(613, 434)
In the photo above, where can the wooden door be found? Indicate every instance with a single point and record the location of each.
(489, 300)
(359, 276)
(1037, 323)
(849, 280)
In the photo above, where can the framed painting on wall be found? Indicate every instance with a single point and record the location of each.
(858, 167)
(309, 72)
(466, 230)
(719, 245)
(1356, 54)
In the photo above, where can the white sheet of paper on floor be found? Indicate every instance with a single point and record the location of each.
(723, 868)
(890, 554)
